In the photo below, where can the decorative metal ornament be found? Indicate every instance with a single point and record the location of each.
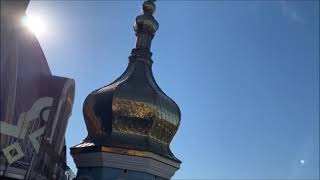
(133, 112)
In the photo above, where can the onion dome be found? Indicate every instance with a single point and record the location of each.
(133, 112)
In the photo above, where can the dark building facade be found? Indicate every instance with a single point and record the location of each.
(35, 105)
(131, 121)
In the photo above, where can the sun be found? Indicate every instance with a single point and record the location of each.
(35, 24)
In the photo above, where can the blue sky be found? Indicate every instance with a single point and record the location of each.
(244, 73)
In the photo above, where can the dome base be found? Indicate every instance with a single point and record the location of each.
(102, 162)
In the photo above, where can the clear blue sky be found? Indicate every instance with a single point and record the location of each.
(244, 73)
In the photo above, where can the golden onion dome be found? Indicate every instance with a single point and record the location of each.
(133, 112)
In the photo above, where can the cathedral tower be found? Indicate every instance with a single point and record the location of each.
(131, 121)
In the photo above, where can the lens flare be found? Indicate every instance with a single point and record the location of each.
(34, 24)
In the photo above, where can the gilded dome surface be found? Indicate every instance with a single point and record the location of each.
(133, 112)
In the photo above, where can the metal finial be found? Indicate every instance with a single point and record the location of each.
(146, 22)
(149, 7)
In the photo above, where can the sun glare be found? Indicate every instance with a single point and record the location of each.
(34, 24)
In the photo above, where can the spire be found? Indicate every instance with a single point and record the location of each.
(131, 122)
(145, 27)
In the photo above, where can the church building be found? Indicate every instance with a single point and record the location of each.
(130, 122)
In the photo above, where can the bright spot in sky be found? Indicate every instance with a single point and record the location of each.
(302, 161)
(35, 24)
